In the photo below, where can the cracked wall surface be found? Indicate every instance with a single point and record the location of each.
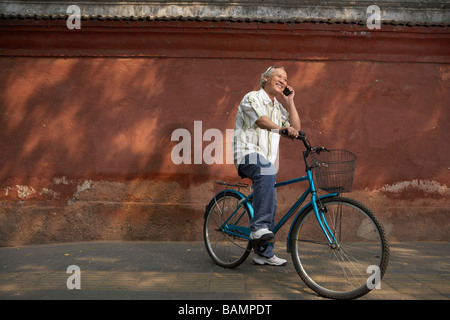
(87, 116)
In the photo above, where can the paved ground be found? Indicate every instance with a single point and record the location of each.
(183, 270)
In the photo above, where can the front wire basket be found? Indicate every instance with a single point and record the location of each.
(333, 170)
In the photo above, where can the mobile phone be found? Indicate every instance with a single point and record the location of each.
(286, 91)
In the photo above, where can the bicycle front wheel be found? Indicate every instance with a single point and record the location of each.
(349, 268)
(227, 249)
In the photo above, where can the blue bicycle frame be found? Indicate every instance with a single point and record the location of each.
(244, 232)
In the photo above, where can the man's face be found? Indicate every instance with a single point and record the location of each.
(276, 82)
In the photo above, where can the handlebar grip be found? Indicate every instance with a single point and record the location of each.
(301, 134)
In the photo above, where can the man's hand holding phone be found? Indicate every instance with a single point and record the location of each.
(287, 96)
(287, 91)
(287, 100)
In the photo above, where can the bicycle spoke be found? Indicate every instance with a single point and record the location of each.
(225, 248)
(339, 270)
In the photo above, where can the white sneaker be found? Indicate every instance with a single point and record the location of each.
(274, 261)
(263, 234)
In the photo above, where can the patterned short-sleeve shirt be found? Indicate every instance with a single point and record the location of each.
(248, 137)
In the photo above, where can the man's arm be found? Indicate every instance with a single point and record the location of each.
(289, 105)
(294, 119)
(265, 123)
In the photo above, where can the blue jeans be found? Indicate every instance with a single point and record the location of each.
(263, 174)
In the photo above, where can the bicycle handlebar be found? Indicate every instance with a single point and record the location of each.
(302, 136)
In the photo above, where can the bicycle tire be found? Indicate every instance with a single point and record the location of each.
(226, 250)
(341, 272)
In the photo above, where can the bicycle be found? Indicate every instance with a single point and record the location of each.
(334, 241)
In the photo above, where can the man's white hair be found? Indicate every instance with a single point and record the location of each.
(267, 73)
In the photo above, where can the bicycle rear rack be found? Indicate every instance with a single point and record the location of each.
(244, 188)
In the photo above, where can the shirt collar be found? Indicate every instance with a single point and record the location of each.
(266, 98)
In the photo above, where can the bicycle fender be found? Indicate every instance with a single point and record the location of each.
(300, 213)
(241, 196)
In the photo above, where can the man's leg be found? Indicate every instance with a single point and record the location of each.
(263, 175)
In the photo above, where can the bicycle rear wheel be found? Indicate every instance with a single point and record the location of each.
(226, 249)
(344, 270)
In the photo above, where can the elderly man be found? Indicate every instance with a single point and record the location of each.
(259, 119)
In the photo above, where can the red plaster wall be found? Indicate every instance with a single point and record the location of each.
(86, 123)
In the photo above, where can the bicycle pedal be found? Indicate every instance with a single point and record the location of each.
(260, 245)
(262, 242)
